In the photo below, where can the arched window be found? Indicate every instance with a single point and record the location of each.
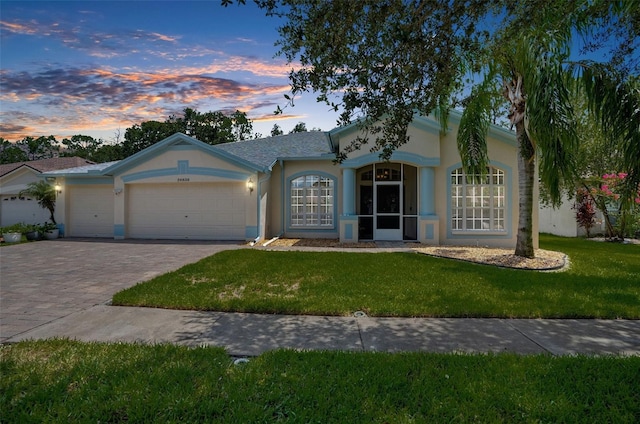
(312, 201)
(478, 204)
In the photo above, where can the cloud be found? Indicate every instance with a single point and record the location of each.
(86, 97)
(94, 43)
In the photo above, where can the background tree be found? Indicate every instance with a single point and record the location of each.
(80, 145)
(276, 130)
(209, 127)
(299, 127)
(39, 147)
(140, 136)
(10, 153)
(108, 153)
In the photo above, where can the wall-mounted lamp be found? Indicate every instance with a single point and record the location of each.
(250, 185)
(117, 191)
(58, 188)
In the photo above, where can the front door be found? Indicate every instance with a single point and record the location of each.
(388, 211)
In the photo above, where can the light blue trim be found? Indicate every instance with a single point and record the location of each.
(183, 168)
(251, 231)
(118, 230)
(427, 124)
(348, 231)
(88, 181)
(429, 234)
(287, 201)
(348, 191)
(180, 142)
(397, 156)
(427, 191)
(473, 234)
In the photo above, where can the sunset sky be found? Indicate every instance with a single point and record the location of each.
(96, 67)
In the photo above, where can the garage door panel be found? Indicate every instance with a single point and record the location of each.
(195, 211)
(25, 209)
(91, 211)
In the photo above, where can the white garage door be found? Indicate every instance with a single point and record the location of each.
(199, 211)
(15, 209)
(91, 211)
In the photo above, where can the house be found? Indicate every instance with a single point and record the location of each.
(561, 220)
(14, 178)
(181, 188)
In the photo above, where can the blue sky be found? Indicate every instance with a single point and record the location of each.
(96, 67)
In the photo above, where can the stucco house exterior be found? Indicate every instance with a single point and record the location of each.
(14, 177)
(290, 186)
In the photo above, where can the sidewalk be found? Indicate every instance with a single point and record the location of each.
(253, 334)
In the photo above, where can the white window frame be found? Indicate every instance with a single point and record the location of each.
(478, 204)
(312, 202)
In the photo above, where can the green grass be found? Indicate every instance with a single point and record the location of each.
(603, 282)
(65, 381)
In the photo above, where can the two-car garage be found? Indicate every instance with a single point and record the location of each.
(202, 211)
(178, 188)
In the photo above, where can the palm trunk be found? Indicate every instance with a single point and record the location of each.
(526, 175)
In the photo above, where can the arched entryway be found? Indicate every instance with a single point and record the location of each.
(387, 201)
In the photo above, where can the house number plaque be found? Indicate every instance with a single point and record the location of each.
(183, 180)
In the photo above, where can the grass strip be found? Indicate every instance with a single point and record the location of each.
(65, 381)
(602, 282)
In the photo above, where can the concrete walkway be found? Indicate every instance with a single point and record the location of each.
(44, 293)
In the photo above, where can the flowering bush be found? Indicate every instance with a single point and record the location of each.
(585, 211)
(621, 218)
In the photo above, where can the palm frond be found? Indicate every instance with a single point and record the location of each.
(616, 104)
(472, 133)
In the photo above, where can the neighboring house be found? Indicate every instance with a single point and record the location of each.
(561, 220)
(181, 188)
(14, 178)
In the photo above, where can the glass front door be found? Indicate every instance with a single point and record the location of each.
(387, 206)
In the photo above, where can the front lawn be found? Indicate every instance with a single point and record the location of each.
(64, 381)
(602, 282)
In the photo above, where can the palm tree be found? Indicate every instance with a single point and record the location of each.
(537, 79)
(45, 195)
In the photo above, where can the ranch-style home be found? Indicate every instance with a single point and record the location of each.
(15, 177)
(289, 186)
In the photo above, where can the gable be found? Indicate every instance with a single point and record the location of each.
(427, 146)
(164, 156)
(17, 180)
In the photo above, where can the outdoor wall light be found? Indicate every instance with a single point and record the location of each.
(250, 185)
(58, 188)
(117, 191)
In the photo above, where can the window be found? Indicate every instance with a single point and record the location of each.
(312, 202)
(478, 205)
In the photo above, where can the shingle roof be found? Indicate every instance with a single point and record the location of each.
(91, 168)
(265, 151)
(45, 165)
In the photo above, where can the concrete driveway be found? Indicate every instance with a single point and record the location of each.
(48, 280)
